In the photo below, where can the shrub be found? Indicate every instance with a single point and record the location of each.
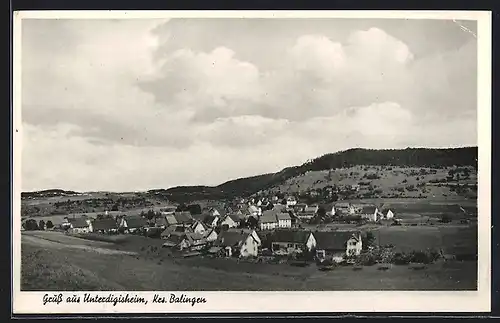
(384, 268)
(400, 259)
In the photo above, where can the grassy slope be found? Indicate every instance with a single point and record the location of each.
(47, 268)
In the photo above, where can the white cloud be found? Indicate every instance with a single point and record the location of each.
(106, 107)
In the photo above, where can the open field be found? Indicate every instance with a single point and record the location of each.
(54, 261)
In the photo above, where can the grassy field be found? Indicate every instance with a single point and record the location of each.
(53, 261)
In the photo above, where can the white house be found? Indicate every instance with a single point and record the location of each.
(337, 245)
(242, 243)
(248, 231)
(229, 221)
(132, 223)
(369, 212)
(80, 225)
(389, 214)
(343, 208)
(284, 220)
(268, 220)
(198, 227)
(291, 201)
(288, 242)
(254, 211)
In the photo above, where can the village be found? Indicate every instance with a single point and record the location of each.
(253, 229)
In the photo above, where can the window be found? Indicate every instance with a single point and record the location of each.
(290, 245)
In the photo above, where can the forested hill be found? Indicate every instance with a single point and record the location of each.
(410, 157)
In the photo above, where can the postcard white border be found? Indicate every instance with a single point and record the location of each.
(285, 302)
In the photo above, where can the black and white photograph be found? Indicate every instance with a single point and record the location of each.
(174, 157)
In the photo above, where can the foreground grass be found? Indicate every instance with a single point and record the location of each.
(44, 268)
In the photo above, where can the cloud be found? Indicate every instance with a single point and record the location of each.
(128, 105)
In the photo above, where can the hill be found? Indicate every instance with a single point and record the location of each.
(410, 157)
(412, 172)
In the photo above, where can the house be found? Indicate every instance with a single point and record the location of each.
(369, 212)
(284, 220)
(80, 225)
(254, 211)
(230, 221)
(299, 207)
(176, 240)
(177, 229)
(198, 227)
(168, 209)
(241, 244)
(194, 241)
(308, 213)
(268, 220)
(335, 245)
(105, 225)
(292, 241)
(248, 231)
(330, 209)
(291, 201)
(211, 220)
(343, 209)
(132, 223)
(161, 222)
(386, 214)
(170, 220)
(210, 235)
(213, 211)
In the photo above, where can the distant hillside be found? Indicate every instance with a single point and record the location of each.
(410, 157)
(48, 193)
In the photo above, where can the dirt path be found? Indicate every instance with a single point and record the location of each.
(51, 243)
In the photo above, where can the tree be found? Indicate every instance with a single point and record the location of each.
(115, 207)
(41, 225)
(252, 222)
(30, 225)
(49, 224)
(150, 215)
(368, 240)
(194, 209)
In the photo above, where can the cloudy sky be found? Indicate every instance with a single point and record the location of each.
(141, 104)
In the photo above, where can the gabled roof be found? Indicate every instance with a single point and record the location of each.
(342, 205)
(234, 217)
(196, 223)
(161, 221)
(78, 222)
(368, 209)
(231, 238)
(176, 229)
(268, 217)
(283, 216)
(334, 240)
(290, 236)
(183, 217)
(253, 208)
(311, 208)
(171, 220)
(105, 224)
(135, 221)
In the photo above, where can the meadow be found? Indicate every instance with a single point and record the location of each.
(54, 261)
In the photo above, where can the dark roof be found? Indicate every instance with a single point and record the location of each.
(333, 240)
(105, 224)
(268, 217)
(135, 221)
(175, 239)
(283, 216)
(368, 209)
(175, 229)
(231, 238)
(78, 222)
(234, 217)
(183, 217)
(161, 221)
(290, 236)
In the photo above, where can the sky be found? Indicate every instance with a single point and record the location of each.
(138, 104)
